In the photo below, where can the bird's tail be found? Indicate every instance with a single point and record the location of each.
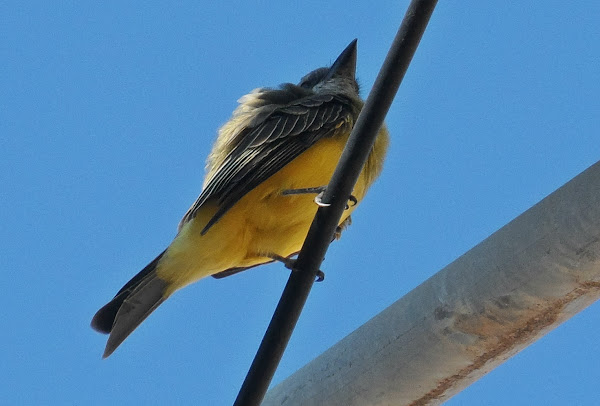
(130, 307)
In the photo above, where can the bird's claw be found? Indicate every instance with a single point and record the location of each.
(290, 263)
(352, 199)
(319, 200)
(320, 190)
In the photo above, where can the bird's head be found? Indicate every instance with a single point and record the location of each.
(338, 78)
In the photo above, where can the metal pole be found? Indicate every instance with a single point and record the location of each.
(321, 231)
(509, 290)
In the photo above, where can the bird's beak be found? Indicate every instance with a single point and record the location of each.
(345, 64)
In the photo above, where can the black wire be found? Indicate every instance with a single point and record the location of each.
(326, 220)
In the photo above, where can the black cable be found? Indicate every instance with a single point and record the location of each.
(326, 220)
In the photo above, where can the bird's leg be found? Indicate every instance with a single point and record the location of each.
(319, 190)
(290, 264)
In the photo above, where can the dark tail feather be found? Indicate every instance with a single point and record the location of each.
(130, 307)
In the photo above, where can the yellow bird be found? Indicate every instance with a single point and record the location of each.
(279, 148)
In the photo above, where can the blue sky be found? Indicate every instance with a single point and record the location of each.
(108, 110)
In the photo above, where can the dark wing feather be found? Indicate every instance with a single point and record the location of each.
(270, 144)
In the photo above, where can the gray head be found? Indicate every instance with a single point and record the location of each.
(339, 78)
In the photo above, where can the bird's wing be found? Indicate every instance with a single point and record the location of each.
(268, 145)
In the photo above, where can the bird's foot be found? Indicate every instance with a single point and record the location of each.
(319, 190)
(290, 263)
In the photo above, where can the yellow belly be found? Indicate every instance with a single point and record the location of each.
(264, 221)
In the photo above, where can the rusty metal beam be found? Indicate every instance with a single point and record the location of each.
(509, 290)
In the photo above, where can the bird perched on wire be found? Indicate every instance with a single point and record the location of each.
(270, 159)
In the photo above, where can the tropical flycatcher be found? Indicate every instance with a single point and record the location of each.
(278, 150)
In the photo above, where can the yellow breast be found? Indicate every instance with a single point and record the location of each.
(264, 221)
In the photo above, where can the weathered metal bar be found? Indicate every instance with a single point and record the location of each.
(518, 284)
